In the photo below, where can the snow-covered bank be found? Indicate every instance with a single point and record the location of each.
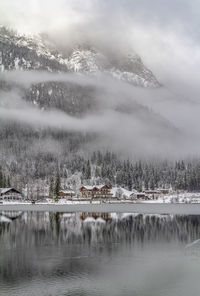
(173, 198)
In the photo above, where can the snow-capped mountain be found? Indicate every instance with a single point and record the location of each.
(20, 52)
(36, 53)
(128, 68)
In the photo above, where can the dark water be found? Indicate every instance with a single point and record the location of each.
(98, 254)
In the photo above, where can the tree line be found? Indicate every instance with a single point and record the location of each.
(107, 167)
(140, 175)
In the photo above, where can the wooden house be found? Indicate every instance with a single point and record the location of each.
(66, 193)
(138, 196)
(10, 194)
(96, 191)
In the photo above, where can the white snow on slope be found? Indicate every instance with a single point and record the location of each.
(91, 62)
(86, 60)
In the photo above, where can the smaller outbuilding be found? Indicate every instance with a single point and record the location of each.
(67, 193)
(152, 194)
(139, 196)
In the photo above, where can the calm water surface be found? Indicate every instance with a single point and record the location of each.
(43, 254)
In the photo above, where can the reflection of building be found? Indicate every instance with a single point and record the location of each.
(11, 215)
(10, 194)
(66, 193)
(97, 191)
(104, 216)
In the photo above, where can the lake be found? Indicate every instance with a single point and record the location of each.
(147, 208)
(88, 253)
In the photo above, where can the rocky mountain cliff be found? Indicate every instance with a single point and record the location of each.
(19, 52)
(36, 53)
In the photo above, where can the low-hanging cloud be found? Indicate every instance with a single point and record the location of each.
(130, 119)
(111, 93)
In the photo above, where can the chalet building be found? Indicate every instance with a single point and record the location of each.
(139, 196)
(66, 193)
(10, 194)
(97, 191)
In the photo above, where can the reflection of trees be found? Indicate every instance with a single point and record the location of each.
(35, 236)
(4, 227)
(54, 228)
(55, 222)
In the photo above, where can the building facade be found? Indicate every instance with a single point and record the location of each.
(96, 191)
(138, 196)
(66, 193)
(10, 194)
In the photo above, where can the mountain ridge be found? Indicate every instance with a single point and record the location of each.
(36, 53)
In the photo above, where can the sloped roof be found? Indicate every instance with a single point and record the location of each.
(67, 191)
(89, 187)
(5, 190)
(99, 186)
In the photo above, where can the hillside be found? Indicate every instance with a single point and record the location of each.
(45, 142)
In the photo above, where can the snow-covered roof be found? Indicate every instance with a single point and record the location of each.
(5, 190)
(89, 187)
(99, 186)
(67, 191)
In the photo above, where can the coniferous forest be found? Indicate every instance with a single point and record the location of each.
(105, 167)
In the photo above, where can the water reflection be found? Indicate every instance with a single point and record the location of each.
(98, 254)
(58, 228)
